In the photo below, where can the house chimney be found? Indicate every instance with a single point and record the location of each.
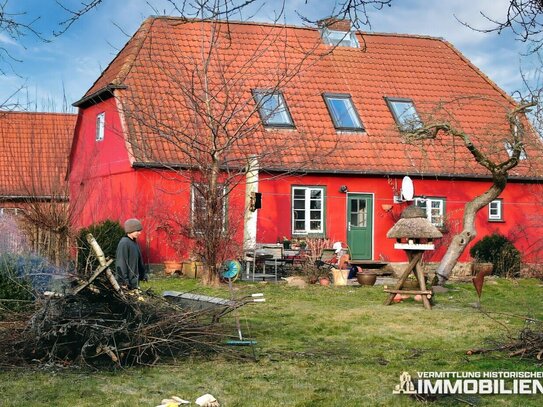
(336, 24)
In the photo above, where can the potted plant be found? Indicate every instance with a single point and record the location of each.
(286, 243)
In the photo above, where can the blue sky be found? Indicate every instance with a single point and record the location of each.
(69, 64)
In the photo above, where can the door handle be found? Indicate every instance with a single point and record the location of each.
(349, 226)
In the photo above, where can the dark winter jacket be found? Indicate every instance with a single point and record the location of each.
(129, 263)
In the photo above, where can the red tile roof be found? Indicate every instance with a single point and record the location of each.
(34, 149)
(164, 59)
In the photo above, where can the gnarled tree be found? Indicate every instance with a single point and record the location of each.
(492, 159)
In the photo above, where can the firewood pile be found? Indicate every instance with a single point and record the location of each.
(105, 329)
(96, 323)
(528, 345)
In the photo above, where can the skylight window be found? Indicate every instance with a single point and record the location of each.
(405, 114)
(509, 149)
(343, 113)
(339, 38)
(273, 108)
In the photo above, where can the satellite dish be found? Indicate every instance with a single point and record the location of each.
(408, 189)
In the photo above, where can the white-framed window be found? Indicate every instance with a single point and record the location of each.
(404, 113)
(199, 213)
(434, 207)
(307, 210)
(273, 108)
(100, 126)
(342, 111)
(495, 210)
(509, 149)
(339, 38)
(11, 211)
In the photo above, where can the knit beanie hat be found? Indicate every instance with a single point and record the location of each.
(132, 225)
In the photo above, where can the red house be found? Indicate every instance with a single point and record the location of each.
(34, 150)
(313, 119)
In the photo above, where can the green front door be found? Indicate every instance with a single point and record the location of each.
(360, 225)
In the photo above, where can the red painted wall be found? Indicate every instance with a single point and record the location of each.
(105, 186)
(522, 221)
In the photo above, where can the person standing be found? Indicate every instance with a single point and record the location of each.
(129, 267)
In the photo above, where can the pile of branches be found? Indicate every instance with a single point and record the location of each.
(529, 344)
(103, 327)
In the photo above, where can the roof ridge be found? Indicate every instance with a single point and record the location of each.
(138, 39)
(300, 27)
(480, 73)
(37, 113)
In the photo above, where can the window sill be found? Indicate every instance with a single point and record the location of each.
(496, 220)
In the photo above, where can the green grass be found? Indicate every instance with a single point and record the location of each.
(319, 346)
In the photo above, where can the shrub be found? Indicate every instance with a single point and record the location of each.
(499, 251)
(107, 234)
(15, 285)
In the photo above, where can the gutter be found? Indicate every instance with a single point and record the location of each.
(37, 198)
(98, 96)
(158, 165)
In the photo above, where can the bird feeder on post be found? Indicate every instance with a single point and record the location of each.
(414, 234)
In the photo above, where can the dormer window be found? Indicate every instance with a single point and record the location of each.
(509, 149)
(272, 108)
(339, 38)
(404, 113)
(342, 111)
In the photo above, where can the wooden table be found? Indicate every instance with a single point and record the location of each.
(414, 254)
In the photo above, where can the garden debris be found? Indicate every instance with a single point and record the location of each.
(173, 401)
(101, 326)
(529, 344)
(207, 400)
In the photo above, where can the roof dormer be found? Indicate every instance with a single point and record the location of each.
(337, 32)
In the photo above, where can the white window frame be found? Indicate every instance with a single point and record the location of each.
(193, 192)
(435, 209)
(100, 126)
(11, 211)
(307, 210)
(280, 115)
(339, 38)
(495, 210)
(349, 108)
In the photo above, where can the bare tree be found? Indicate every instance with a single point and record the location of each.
(221, 136)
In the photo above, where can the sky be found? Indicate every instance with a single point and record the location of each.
(51, 75)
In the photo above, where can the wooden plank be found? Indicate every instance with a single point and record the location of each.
(410, 292)
(98, 271)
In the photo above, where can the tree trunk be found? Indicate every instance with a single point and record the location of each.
(468, 233)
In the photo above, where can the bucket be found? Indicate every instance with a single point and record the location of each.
(340, 276)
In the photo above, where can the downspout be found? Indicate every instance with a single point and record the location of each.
(250, 221)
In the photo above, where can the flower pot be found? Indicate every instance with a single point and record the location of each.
(484, 268)
(366, 278)
(172, 267)
(324, 281)
(192, 269)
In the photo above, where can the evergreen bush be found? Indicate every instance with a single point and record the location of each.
(15, 285)
(107, 233)
(501, 252)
